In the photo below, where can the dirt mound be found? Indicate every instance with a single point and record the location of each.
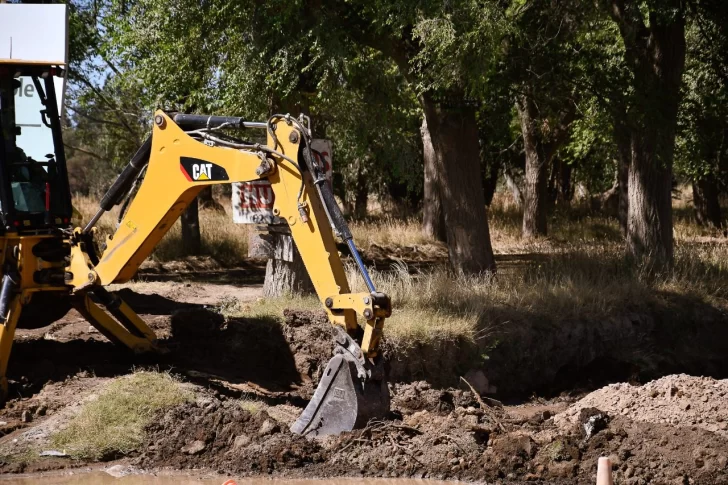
(310, 340)
(224, 436)
(678, 400)
(652, 453)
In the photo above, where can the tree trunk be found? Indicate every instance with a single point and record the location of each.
(491, 181)
(566, 190)
(454, 137)
(536, 179)
(361, 195)
(706, 202)
(649, 215)
(191, 238)
(433, 217)
(655, 51)
(207, 201)
(624, 151)
(285, 273)
(553, 183)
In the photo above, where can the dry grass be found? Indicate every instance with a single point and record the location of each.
(222, 239)
(578, 273)
(113, 424)
(388, 231)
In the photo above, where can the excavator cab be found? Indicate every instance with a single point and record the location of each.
(34, 192)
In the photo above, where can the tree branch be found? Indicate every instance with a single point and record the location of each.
(99, 157)
(110, 104)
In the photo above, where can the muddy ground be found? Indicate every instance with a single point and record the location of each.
(672, 430)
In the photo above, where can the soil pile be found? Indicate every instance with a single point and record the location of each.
(678, 400)
(224, 436)
(442, 434)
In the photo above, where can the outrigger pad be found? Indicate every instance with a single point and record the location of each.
(342, 401)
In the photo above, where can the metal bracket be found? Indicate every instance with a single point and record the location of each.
(374, 307)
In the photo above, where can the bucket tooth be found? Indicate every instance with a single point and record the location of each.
(342, 401)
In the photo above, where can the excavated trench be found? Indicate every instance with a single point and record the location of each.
(438, 428)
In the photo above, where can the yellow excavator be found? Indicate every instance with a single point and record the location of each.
(48, 266)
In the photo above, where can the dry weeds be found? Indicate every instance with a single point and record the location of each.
(559, 280)
(222, 239)
(578, 272)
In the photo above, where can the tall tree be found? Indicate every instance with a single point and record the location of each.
(654, 39)
(433, 217)
(540, 149)
(425, 40)
(703, 140)
(542, 65)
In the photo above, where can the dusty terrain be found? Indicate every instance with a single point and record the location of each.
(673, 430)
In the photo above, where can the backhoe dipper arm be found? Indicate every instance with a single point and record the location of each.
(177, 167)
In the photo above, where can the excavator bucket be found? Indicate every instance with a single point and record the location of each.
(343, 400)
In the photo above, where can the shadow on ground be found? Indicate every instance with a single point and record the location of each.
(202, 346)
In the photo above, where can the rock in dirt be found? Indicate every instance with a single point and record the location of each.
(54, 453)
(119, 471)
(477, 379)
(269, 426)
(241, 441)
(194, 448)
(592, 421)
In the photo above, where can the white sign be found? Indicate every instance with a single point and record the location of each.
(253, 201)
(34, 32)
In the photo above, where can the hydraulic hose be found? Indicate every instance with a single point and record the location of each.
(336, 217)
(8, 289)
(123, 182)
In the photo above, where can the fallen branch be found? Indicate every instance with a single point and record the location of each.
(487, 409)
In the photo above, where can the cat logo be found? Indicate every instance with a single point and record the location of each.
(196, 170)
(201, 171)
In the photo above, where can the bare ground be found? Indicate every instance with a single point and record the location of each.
(669, 431)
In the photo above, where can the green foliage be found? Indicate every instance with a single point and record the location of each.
(702, 145)
(359, 68)
(591, 149)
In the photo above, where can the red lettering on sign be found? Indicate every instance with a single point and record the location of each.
(256, 196)
(323, 158)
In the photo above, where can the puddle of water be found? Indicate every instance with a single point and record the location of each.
(102, 478)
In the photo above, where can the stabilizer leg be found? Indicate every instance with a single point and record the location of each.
(7, 334)
(10, 308)
(130, 330)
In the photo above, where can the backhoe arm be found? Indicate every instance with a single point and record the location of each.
(172, 168)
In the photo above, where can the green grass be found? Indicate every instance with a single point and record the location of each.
(113, 424)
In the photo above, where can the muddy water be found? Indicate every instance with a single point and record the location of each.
(102, 478)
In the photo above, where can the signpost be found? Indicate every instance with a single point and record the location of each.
(253, 204)
(253, 201)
